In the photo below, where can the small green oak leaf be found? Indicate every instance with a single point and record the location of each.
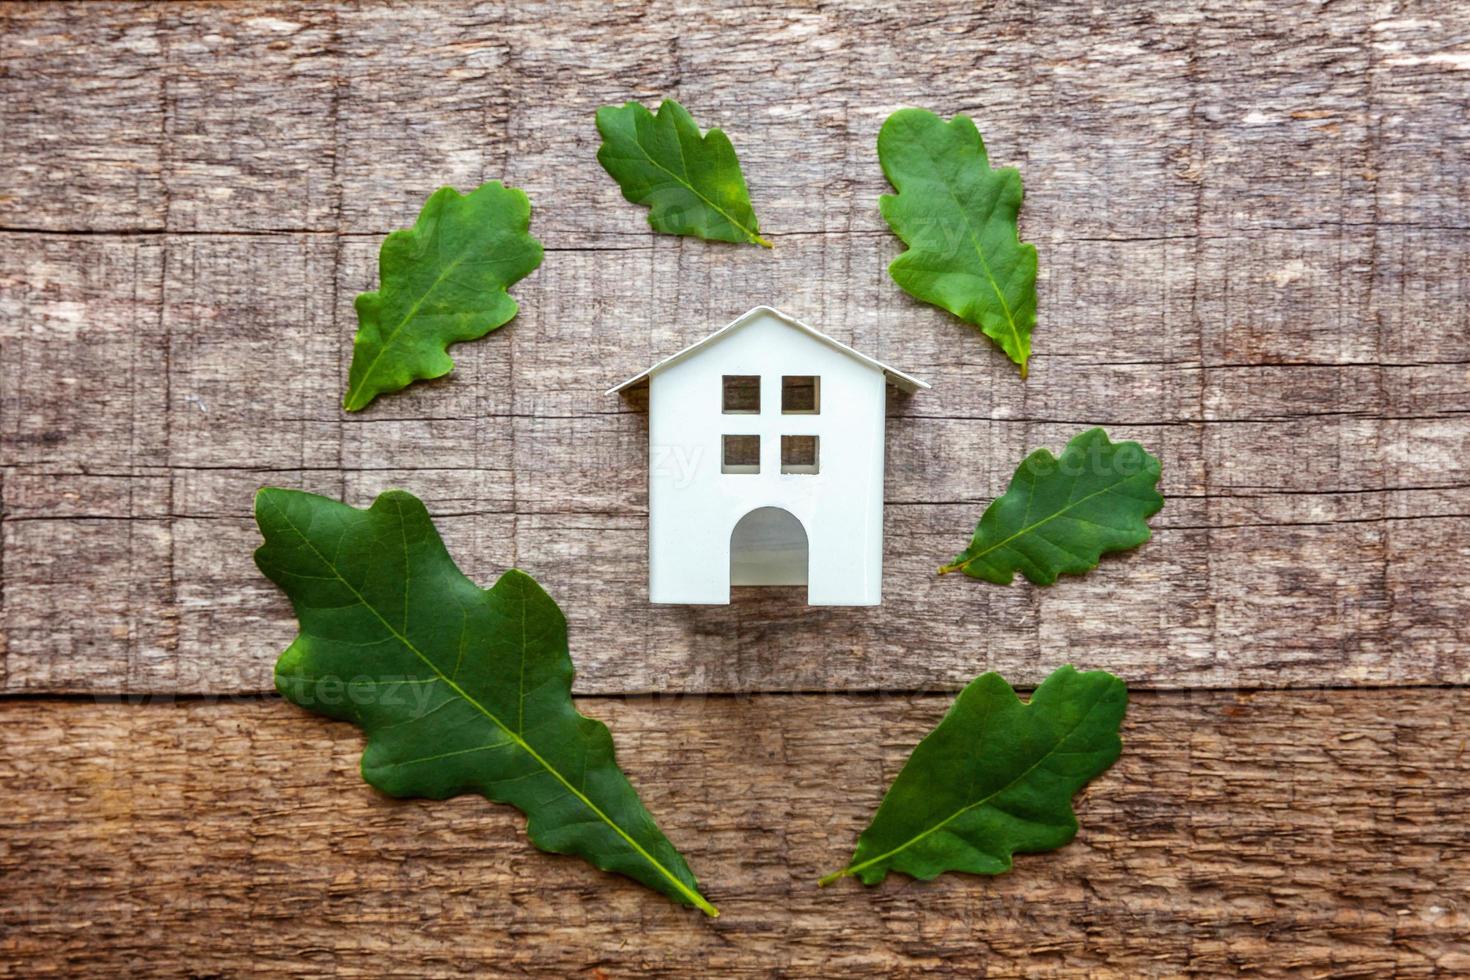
(458, 689)
(1061, 515)
(692, 184)
(958, 218)
(443, 281)
(995, 778)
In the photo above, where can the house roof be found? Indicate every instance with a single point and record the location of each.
(899, 379)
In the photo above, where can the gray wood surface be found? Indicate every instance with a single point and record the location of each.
(1254, 230)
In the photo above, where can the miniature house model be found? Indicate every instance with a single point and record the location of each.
(765, 464)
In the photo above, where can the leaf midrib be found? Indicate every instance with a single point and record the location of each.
(693, 896)
(412, 312)
(750, 235)
(1029, 528)
(853, 869)
(984, 263)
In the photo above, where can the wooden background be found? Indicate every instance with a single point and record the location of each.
(1254, 234)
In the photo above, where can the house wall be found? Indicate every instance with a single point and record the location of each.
(693, 506)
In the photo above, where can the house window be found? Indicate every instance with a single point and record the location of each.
(742, 454)
(742, 394)
(800, 394)
(799, 454)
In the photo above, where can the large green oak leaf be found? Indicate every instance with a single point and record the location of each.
(1061, 515)
(691, 184)
(958, 218)
(458, 689)
(443, 281)
(995, 778)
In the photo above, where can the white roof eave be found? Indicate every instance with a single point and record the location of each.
(900, 380)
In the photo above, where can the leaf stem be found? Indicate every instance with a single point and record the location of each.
(835, 876)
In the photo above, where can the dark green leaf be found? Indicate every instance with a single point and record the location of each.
(995, 778)
(458, 689)
(691, 184)
(440, 282)
(1062, 515)
(958, 217)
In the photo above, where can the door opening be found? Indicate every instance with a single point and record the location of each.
(768, 547)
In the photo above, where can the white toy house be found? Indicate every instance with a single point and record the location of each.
(765, 464)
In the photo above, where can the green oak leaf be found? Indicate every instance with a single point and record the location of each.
(691, 184)
(442, 281)
(958, 218)
(1062, 515)
(995, 778)
(458, 689)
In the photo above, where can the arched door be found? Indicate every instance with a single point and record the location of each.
(768, 547)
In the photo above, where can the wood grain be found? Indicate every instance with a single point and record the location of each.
(1253, 233)
(1266, 833)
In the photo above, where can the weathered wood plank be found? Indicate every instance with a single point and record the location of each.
(1254, 255)
(1299, 602)
(1307, 539)
(83, 117)
(1126, 103)
(1271, 833)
